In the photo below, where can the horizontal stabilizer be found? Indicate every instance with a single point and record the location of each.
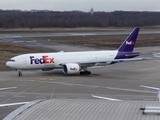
(132, 55)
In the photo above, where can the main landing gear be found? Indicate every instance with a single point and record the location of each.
(84, 71)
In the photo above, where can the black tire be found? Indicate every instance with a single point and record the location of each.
(89, 72)
(85, 73)
(81, 73)
(20, 74)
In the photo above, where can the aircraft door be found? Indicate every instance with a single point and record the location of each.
(25, 62)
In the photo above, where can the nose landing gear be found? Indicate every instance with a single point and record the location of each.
(19, 73)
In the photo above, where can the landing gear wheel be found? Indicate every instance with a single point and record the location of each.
(19, 73)
(81, 73)
(85, 73)
(88, 72)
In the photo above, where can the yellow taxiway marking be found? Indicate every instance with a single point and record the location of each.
(52, 79)
(42, 78)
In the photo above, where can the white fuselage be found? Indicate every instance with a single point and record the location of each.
(54, 60)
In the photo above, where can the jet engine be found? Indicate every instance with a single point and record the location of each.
(71, 68)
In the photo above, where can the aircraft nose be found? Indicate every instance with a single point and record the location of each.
(10, 64)
(7, 64)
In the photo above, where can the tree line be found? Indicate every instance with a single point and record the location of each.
(72, 19)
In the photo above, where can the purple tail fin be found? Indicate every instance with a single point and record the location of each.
(129, 43)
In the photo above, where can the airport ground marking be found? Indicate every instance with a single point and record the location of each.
(52, 93)
(20, 92)
(51, 79)
(42, 78)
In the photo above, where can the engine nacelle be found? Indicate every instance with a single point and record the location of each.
(71, 68)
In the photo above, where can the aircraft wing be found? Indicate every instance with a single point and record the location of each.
(11, 104)
(85, 63)
(103, 63)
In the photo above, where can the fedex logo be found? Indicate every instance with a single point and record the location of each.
(73, 68)
(129, 43)
(43, 60)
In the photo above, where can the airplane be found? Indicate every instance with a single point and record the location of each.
(76, 62)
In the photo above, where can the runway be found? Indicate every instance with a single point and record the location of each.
(121, 81)
(23, 39)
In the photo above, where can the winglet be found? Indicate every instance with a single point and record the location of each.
(129, 43)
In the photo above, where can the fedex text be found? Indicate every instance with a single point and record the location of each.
(43, 60)
(73, 68)
(130, 43)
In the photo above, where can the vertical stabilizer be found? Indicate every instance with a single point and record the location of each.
(129, 43)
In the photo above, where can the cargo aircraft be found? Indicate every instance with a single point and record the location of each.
(76, 62)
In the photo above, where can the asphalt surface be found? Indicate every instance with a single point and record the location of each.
(119, 81)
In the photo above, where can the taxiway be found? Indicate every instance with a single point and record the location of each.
(119, 81)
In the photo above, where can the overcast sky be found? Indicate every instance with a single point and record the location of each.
(83, 5)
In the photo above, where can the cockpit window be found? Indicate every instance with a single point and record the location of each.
(12, 60)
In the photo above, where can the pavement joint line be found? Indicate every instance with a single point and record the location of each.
(52, 93)
(147, 68)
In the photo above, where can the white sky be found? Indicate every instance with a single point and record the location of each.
(83, 5)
